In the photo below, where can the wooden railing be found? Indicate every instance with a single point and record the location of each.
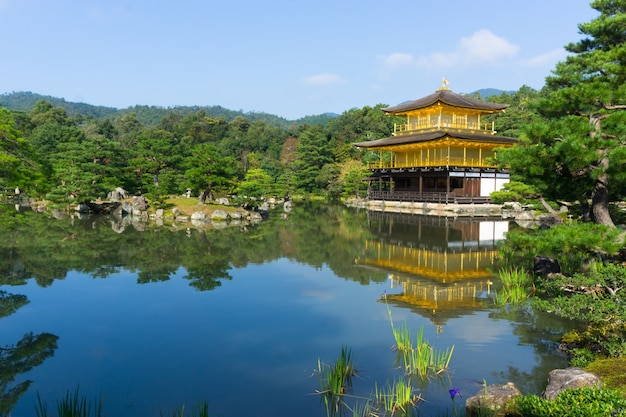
(433, 162)
(414, 127)
(426, 197)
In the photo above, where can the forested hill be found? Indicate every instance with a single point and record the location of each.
(149, 115)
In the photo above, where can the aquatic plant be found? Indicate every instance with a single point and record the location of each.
(72, 405)
(397, 398)
(335, 380)
(420, 359)
(517, 283)
(202, 410)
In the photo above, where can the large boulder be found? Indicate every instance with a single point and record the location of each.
(544, 266)
(491, 399)
(198, 215)
(562, 379)
(117, 195)
(219, 216)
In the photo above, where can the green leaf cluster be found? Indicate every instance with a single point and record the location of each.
(580, 402)
(571, 244)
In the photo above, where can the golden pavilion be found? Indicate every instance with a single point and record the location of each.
(441, 153)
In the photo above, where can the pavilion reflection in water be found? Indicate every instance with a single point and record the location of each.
(443, 266)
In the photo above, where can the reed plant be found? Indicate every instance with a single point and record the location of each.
(335, 381)
(201, 410)
(397, 398)
(517, 285)
(72, 405)
(420, 359)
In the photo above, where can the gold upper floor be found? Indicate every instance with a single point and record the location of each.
(444, 117)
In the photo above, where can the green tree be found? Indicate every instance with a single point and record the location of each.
(577, 151)
(355, 125)
(257, 183)
(210, 171)
(313, 152)
(157, 153)
(519, 114)
(18, 164)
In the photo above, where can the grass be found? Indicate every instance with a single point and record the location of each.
(612, 371)
(420, 359)
(72, 405)
(397, 398)
(202, 410)
(75, 405)
(335, 381)
(517, 283)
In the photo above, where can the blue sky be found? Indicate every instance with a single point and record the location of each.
(291, 58)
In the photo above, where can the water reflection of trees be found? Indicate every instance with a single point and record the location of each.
(46, 248)
(541, 330)
(10, 303)
(30, 351)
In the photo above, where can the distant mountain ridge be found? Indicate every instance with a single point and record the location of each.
(485, 93)
(149, 115)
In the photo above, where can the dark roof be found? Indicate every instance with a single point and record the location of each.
(448, 97)
(428, 136)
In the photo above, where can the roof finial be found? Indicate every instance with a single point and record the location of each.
(444, 84)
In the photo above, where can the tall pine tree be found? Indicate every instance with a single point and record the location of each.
(577, 150)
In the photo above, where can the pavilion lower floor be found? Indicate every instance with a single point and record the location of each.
(443, 185)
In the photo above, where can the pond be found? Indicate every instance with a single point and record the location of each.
(154, 318)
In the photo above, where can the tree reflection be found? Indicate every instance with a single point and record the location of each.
(47, 249)
(20, 358)
(10, 303)
(541, 330)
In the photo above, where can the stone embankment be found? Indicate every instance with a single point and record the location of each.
(136, 212)
(523, 215)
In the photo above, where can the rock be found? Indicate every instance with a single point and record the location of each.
(117, 195)
(543, 266)
(219, 216)
(159, 213)
(198, 215)
(140, 203)
(237, 215)
(223, 201)
(493, 399)
(547, 220)
(562, 379)
(82, 208)
(255, 217)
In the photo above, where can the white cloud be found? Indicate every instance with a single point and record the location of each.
(482, 48)
(547, 60)
(324, 78)
(398, 59)
(485, 47)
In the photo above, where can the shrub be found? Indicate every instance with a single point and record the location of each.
(580, 402)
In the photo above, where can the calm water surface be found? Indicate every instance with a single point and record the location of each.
(155, 319)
